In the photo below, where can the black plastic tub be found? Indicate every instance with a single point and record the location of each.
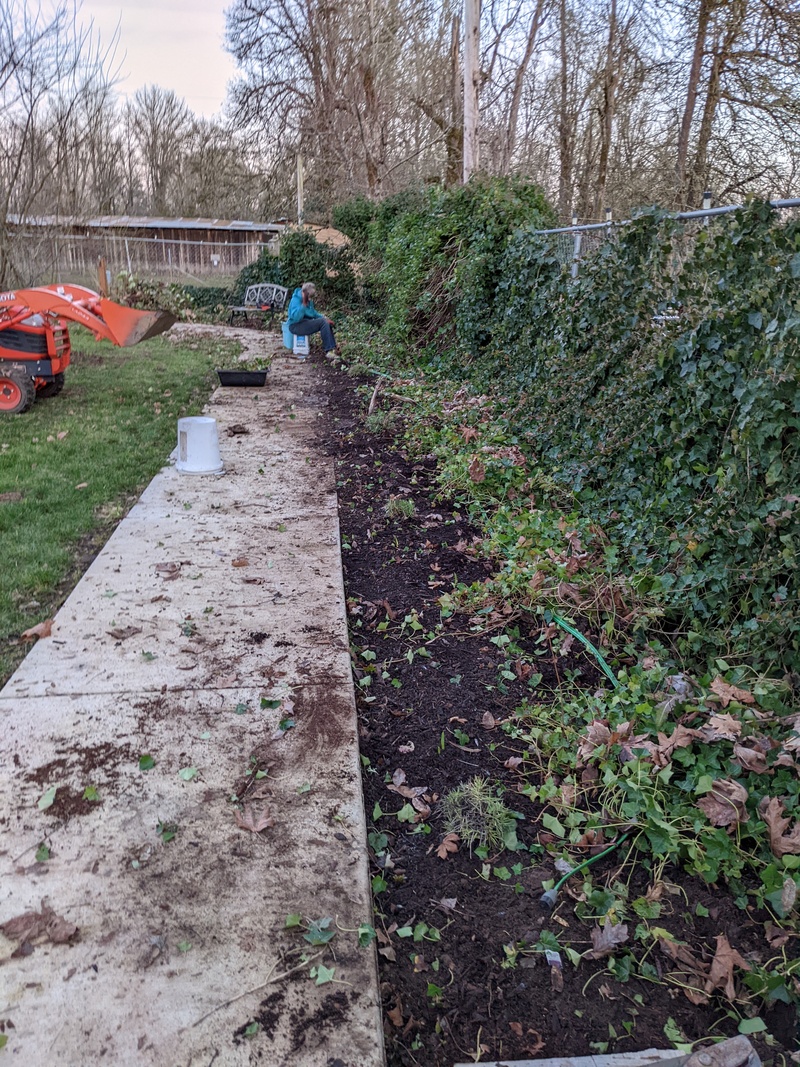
(242, 377)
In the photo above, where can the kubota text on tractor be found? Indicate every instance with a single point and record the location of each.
(34, 339)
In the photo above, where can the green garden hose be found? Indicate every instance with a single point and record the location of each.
(548, 899)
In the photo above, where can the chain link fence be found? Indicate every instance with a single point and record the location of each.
(574, 244)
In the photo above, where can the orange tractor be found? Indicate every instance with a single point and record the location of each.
(34, 339)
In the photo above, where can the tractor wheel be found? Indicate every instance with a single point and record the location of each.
(51, 388)
(17, 391)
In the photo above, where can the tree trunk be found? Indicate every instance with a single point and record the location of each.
(703, 17)
(607, 124)
(565, 125)
(698, 177)
(516, 95)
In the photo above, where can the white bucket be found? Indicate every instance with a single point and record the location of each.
(301, 347)
(198, 446)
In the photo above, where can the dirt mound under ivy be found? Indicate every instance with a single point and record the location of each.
(463, 938)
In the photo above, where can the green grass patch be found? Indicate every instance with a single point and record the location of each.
(109, 432)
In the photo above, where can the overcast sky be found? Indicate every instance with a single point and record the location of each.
(176, 44)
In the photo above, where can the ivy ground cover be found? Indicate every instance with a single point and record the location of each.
(498, 756)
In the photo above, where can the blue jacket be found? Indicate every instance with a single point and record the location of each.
(298, 310)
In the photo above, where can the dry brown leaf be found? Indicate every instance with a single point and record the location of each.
(597, 736)
(605, 939)
(449, 845)
(476, 470)
(771, 811)
(690, 973)
(725, 804)
(727, 692)
(388, 953)
(722, 728)
(240, 561)
(252, 821)
(533, 1046)
(395, 1016)
(721, 974)
(44, 924)
(124, 633)
(41, 629)
(751, 759)
(448, 903)
(513, 762)
(776, 936)
(469, 433)
(516, 1028)
(681, 737)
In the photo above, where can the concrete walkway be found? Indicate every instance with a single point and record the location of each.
(209, 635)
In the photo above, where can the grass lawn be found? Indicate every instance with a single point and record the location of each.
(73, 465)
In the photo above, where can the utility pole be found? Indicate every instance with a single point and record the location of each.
(299, 189)
(472, 41)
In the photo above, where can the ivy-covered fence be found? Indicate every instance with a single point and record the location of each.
(660, 387)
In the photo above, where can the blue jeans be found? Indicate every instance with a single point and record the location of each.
(320, 325)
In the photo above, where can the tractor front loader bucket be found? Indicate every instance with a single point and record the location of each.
(127, 326)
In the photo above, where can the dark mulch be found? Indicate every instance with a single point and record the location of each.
(410, 717)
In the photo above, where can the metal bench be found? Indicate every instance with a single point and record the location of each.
(260, 301)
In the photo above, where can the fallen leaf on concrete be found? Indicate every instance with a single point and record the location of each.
(124, 633)
(240, 561)
(724, 805)
(721, 974)
(605, 939)
(771, 811)
(236, 429)
(252, 821)
(449, 844)
(41, 629)
(45, 925)
(168, 571)
(727, 692)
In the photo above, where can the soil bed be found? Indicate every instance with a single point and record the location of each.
(461, 978)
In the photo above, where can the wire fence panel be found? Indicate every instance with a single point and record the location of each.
(57, 257)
